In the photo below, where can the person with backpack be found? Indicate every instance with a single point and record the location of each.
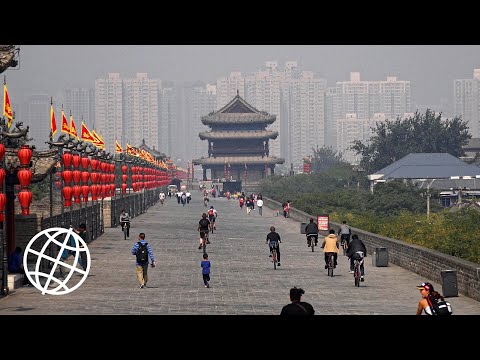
(432, 303)
(297, 307)
(142, 251)
(212, 215)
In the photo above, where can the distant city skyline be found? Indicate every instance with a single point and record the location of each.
(47, 69)
(163, 105)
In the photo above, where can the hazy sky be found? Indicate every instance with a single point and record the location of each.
(430, 68)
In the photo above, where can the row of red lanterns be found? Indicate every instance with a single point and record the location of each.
(25, 178)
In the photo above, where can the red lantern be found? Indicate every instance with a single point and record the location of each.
(25, 199)
(25, 155)
(94, 164)
(124, 169)
(85, 162)
(124, 178)
(3, 201)
(2, 175)
(77, 190)
(67, 159)
(76, 161)
(67, 194)
(124, 188)
(58, 183)
(25, 177)
(112, 168)
(2, 153)
(85, 176)
(104, 178)
(77, 174)
(103, 166)
(67, 176)
(85, 190)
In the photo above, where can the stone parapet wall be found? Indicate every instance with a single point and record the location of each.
(422, 261)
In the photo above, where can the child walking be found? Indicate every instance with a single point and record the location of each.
(206, 270)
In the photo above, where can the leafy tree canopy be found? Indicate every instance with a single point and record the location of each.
(325, 157)
(422, 133)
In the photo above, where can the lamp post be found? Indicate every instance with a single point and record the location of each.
(4, 290)
(427, 194)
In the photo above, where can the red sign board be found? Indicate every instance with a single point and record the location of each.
(322, 222)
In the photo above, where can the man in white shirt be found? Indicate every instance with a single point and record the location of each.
(189, 196)
(260, 206)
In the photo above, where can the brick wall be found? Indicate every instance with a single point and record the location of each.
(422, 261)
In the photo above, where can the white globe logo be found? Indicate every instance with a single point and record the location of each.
(36, 276)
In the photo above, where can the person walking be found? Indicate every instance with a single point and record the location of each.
(205, 265)
(297, 307)
(260, 205)
(82, 231)
(142, 250)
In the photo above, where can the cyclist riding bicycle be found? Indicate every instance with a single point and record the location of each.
(344, 233)
(125, 221)
(311, 230)
(330, 245)
(273, 240)
(212, 215)
(357, 251)
(203, 225)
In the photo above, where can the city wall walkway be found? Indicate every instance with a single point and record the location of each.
(243, 280)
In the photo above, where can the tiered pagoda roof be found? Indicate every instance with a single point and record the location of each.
(238, 111)
(239, 160)
(230, 135)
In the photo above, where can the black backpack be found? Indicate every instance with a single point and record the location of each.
(142, 253)
(439, 306)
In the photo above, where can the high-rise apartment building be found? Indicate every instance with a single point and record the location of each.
(81, 103)
(227, 88)
(330, 125)
(169, 133)
(306, 116)
(200, 100)
(466, 101)
(140, 111)
(263, 90)
(37, 116)
(109, 109)
(362, 100)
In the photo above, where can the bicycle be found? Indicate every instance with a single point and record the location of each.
(204, 242)
(274, 255)
(357, 273)
(344, 246)
(311, 242)
(124, 230)
(330, 264)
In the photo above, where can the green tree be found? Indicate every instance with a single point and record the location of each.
(422, 133)
(325, 157)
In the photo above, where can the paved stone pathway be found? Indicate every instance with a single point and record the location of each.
(243, 278)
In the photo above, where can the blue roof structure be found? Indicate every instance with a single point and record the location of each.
(427, 166)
